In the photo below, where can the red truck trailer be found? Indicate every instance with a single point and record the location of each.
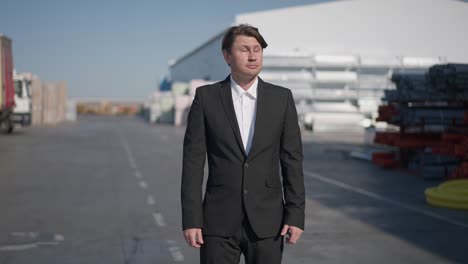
(7, 92)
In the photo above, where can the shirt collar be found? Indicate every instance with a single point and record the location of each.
(238, 91)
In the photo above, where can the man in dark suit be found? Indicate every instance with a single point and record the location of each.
(248, 129)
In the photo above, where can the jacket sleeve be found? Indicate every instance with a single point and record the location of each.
(194, 157)
(291, 167)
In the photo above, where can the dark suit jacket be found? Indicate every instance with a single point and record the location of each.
(234, 178)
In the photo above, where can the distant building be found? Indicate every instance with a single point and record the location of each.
(105, 107)
(342, 53)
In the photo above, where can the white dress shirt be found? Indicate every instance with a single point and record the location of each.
(245, 105)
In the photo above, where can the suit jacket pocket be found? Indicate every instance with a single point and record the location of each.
(273, 181)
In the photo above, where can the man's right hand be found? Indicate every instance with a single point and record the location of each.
(194, 237)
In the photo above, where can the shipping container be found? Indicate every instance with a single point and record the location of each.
(7, 93)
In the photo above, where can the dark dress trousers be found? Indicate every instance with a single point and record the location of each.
(242, 185)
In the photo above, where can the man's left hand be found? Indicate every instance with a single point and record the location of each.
(294, 233)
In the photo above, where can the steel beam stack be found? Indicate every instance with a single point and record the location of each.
(431, 110)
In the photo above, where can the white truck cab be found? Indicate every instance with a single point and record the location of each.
(22, 110)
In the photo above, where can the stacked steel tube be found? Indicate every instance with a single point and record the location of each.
(431, 110)
(450, 78)
(448, 82)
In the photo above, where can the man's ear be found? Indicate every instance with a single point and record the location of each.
(227, 57)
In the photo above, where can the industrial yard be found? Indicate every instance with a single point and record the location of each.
(108, 192)
(94, 107)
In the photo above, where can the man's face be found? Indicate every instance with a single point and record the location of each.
(246, 57)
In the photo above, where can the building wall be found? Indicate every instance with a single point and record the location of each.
(370, 28)
(343, 51)
(206, 62)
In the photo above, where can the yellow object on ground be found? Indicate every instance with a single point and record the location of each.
(451, 194)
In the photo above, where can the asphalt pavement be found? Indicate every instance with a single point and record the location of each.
(107, 190)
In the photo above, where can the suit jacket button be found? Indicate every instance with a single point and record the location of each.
(245, 191)
(246, 165)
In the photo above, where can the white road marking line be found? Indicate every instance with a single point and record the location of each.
(150, 200)
(384, 199)
(27, 246)
(138, 175)
(131, 159)
(36, 235)
(22, 234)
(175, 251)
(47, 243)
(126, 146)
(143, 185)
(159, 219)
(18, 247)
(57, 238)
(177, 256)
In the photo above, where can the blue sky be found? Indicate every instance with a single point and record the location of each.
(114, 49)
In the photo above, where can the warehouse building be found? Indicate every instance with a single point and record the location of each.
(339, 56)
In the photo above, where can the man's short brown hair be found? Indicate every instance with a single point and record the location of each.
(241, 30)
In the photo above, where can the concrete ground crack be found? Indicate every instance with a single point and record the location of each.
(134, 249)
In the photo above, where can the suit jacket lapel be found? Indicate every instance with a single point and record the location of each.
(226, 98)
(260, 117)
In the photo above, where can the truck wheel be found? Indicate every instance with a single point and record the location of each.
(7, 126)
(10, 127)
(309, 127)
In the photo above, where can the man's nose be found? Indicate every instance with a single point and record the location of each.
(252, 56)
